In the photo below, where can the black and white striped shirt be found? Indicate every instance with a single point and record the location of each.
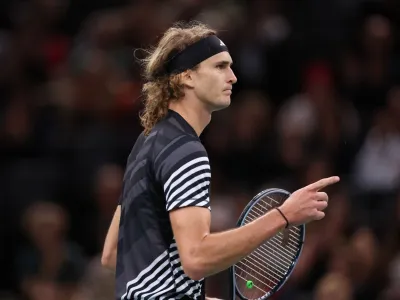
(167, 170)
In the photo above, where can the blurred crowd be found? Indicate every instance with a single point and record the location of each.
(318, 95)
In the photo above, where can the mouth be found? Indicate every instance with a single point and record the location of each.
(228, 90)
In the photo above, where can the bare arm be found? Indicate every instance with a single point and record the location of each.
(203, 254)
(109, 257)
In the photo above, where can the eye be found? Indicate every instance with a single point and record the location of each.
(220, 66)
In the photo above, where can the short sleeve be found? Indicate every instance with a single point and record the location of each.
(185, 174)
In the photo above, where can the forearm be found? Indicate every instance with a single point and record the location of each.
(219, 251)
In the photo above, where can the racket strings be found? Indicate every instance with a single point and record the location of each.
(255, 262)
(270, 257)
(268, 253)
(260, 281)
(270, 263)
(258, 271)
(244, 279)
(258, 255)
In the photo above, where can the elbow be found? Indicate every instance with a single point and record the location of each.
(194, 273)
(107, 261)
(193, 269)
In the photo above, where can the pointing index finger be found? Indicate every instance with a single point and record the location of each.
(320, 184)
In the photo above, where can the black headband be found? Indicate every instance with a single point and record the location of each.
(194, 54)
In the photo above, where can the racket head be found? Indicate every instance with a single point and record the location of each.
(288, 256)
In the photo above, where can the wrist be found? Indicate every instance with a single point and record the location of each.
(287, 223)
(274, 217)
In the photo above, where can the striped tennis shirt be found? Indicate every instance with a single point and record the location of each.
(166, 170)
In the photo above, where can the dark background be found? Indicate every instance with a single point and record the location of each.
(318, 95)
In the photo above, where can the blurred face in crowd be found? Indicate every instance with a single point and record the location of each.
(333, 287)
(46, 224)
(212, 81)
(364, 253)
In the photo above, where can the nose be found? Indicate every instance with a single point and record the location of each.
(232, 77)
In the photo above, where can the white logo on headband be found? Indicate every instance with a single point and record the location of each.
(221, 43)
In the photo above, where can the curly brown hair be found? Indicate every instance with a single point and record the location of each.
(159, 91)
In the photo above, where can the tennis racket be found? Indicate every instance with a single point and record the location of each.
(263, 272)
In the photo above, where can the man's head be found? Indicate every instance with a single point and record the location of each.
(211, 81)
(189, 62)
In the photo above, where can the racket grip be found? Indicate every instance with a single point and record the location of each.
(287, 221)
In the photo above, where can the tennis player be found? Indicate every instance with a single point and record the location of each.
(165, 248)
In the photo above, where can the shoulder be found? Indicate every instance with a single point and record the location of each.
(171, 142)
(177, 152)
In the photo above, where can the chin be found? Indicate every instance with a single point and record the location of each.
(221, 104)
(220, 107)
(218, 104)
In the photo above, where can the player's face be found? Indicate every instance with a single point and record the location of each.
(213, 81)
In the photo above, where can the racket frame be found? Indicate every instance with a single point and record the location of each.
(234, 290)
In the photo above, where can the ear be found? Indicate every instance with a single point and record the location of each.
(187, 79)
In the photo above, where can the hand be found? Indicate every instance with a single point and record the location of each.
(307, 204)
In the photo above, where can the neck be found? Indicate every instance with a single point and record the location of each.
(196, 115)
